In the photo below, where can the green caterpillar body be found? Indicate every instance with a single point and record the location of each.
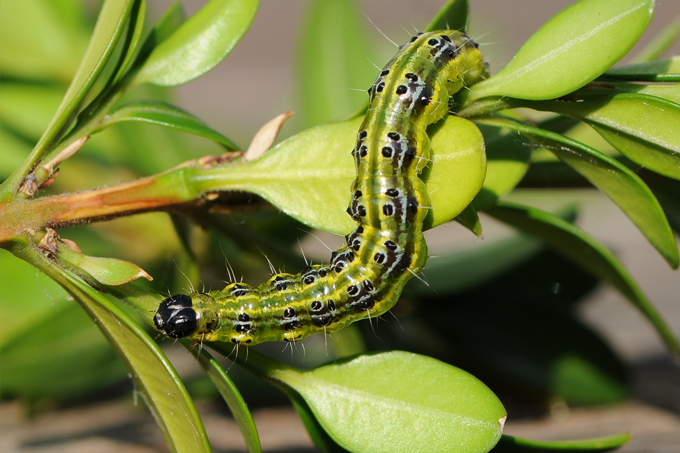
(389, 203)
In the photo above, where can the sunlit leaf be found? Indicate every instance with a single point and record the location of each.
(309, 176)
(570, 50)
(399, 396)
(508, 157)
(231, 396)
(644, 128)
(655, 71)
(199, 44)
(153, 374)
(162, 114)
(134, 34)
(619, 183)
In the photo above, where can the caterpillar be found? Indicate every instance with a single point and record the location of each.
(389, 203)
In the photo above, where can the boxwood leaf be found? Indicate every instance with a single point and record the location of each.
(163, 114)
(231, 395)
(654, 71)
(311, 182)
(508, 157)
(398, 401)
(643, 128)
(199, 44)
(110, 26)
(570, 50)
(618, 182)
(153, 374)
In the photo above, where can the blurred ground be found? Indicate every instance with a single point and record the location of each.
(653, 415)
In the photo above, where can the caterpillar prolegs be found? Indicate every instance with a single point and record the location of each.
(389, 203)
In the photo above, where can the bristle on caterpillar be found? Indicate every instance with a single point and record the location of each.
(389, 203)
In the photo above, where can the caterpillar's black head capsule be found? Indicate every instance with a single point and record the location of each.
(175, 317)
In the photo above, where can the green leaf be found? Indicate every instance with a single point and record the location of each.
(134, 33)
(655, 71)
(172, 18)
(162, 114)
(153, 374)
(458, 169)
(511, 444)
(317, 433)
(570, 50)
(576, 245)
(642, 127)
(110, 26)
(335, 55)
(199, 44)
(418, 403)
(231, 396)
(309, 175)
(507, 162)
(107, 271)
(453, 16)
(614, 179)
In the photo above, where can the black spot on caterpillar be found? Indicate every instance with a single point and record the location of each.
(389, 202)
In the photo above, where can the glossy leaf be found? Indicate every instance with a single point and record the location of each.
(576, 245)
(655, 71)
(231, 396)
(570, 50)
(199, 44)
(644, 128)
(309, 175)
(134, 34)
(334, 62)
(619, 183)
(162, 114)
(172, 18)
(107, 271)
(508, 157)
(453, 16)
(153, 374)
(110, 26)
(667, 92)
(403, 397)
(511, 444)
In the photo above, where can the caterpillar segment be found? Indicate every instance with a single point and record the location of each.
(389, 203)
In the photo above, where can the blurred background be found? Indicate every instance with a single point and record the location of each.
(92, 405)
